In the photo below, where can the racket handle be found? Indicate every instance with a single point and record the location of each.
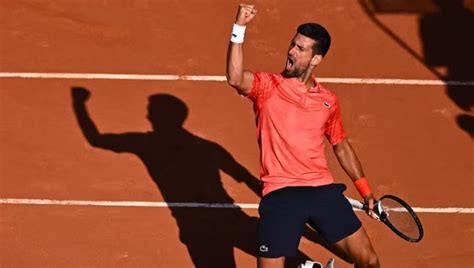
(356, 203)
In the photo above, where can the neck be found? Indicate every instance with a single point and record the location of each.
(306, 78)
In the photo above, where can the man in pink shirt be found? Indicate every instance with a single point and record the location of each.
(294, 113)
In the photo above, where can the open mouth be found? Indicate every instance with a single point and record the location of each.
(289, 63)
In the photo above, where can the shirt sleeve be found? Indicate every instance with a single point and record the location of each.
(335, 132)
(263, 84)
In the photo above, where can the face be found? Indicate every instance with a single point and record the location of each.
(300, 56)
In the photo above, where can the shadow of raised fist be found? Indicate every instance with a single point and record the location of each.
(80, 94)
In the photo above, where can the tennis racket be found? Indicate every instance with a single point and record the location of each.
(397, 215)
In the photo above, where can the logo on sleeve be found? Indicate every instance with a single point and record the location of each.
(263, 248)
(326, 105)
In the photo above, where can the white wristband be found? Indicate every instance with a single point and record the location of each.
(238, 33)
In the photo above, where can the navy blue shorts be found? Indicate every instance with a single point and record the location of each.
(284, 213)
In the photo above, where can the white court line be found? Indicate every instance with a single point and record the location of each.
(15, 201)
(216, 78)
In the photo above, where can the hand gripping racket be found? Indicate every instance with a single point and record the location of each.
(397, 215)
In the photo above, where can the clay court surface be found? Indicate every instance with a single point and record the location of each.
(409, 133)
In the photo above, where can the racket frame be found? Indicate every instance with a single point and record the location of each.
(383, 215)
(386, 220)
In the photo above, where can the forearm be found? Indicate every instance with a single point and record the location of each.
(349, 160)
(351, 164)
(236, 76)
(252, 182)
(86, 124)
(79, 98)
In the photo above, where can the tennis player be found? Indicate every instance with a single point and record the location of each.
(294, 113)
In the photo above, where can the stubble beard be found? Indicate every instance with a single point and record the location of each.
(295, 73)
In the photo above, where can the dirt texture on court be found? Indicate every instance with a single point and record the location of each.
(413, 140)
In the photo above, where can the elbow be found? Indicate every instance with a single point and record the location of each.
(233, 81)
(94, 138)
(341, 149)
(94, 143)
(340, 154)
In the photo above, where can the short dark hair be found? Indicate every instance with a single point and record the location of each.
(319, 34)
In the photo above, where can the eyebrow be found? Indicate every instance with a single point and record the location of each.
(298, 45)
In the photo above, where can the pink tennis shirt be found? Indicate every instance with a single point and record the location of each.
(292, 122)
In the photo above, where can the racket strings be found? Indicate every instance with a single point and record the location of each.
(400, 218)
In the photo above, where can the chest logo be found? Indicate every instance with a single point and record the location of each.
(326, 105)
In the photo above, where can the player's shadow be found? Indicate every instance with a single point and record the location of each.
(448, 41)
(186, 168)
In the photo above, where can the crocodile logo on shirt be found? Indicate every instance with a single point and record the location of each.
(326, 104)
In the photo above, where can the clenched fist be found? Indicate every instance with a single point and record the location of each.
(80, 94)
(245, 14)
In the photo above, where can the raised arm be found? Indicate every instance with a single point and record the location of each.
(237, 77)
(126, 142)
(79, 97)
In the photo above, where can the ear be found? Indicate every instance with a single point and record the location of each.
(316, 59)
